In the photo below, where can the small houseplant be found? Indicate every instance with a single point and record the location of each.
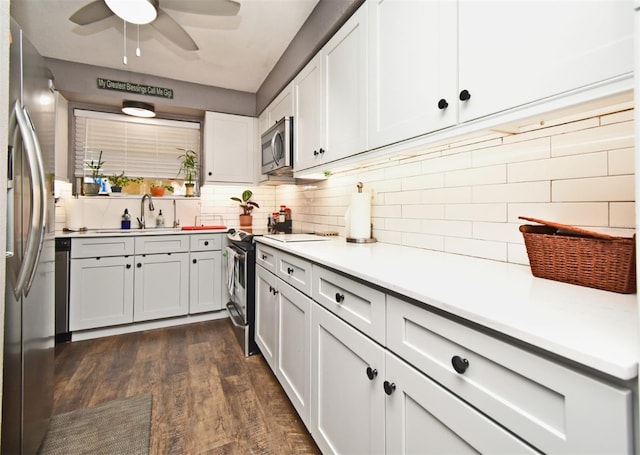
(158, 188)
(96, 175)
(188, 168)
(247, 206)
(119, 181)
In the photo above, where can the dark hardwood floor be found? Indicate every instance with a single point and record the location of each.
(207, 397)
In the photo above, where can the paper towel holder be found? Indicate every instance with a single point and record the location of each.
(370, 239)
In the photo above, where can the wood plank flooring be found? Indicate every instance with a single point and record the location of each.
(207, 397)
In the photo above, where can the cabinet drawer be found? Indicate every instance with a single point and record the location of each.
(154, 244)
(267, 257)
(205, 242)
(295, 271)
(92, 247)
(358, 304)
(554, 408)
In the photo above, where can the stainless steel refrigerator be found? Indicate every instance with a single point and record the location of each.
(27, 398)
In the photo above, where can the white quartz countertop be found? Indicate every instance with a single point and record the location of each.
(595, 328)
(137, 232)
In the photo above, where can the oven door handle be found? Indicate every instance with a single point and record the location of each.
(231, 308)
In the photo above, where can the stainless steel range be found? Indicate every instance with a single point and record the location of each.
(240, 279)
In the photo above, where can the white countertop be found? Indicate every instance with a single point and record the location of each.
(595, 328)
(135, 232)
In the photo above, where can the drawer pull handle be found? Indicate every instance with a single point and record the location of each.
(273, 290)
(459, 364)
(206, 243)
(194, 261)
(371, 373)
(389, 387)
(128, 266)
(442, 104)
(339, 297)
(139, 265)
(264, 257)
(289, 270)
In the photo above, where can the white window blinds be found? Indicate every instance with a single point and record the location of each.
(140, 147)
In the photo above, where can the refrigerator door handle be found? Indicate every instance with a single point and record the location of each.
(38, 203)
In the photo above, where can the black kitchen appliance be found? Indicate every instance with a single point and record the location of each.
(240, 257)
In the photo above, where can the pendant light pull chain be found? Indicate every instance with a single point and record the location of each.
(124, 44)
(138, 41)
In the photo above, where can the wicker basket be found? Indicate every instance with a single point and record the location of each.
(577, 256)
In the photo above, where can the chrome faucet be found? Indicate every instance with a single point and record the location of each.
(141, 220)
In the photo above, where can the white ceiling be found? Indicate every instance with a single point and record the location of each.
(235, 52)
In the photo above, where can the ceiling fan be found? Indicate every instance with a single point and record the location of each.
(158, 19)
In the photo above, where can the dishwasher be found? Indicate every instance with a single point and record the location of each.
(63, 255)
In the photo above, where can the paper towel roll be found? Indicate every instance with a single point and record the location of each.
(74, 209)
(360, 216)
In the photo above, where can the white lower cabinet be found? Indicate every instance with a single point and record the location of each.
(347, 397)
(283, 327)
(161, 286)
(101, 292)
(423, 417)
(205, 281)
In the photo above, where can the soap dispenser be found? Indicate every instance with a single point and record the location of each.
(125, 223)
(160, 219)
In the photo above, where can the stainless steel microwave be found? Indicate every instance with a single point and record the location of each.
(277, 148)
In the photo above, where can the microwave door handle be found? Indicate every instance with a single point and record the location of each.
(273, 146)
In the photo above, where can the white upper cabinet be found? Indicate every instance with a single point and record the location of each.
(307, 116)
(229, 148)
(280, 107)
(514, 53)
(344, 69)
(412, 68)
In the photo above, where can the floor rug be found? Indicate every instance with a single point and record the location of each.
(115, 427)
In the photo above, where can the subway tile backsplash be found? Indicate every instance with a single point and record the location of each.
(465, 198)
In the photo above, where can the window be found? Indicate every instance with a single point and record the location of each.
(140, 147)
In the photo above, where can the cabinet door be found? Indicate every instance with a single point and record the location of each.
(512, 53)
(293, 357)
(266, 315)
(344, 69)
(347, 408)
(229, 146)
(281, 106)
(161, 286)
(412, 68)
(205, 281)
(423, 417)
(307, 117)
(101, 292)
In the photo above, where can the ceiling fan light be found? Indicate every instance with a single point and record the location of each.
(138, 109)
(134, 11)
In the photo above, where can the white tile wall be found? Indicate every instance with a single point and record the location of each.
(466, 197)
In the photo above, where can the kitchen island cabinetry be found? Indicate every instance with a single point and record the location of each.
(430, 381)
(229, 148)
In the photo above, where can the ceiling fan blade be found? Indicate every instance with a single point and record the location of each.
(92, 12)
(205, 7)
(173, 31)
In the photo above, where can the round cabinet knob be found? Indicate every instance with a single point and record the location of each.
(459, 364)
(206, 243)
(289, 270)
(322, 151)
(210, 173)
(339, 297)
(275, 291)
(442, 104)
(138, 265)
(315, 153)
(465, 95)
(371, 373)
(195, 261)
(128, 266)
(264, 257)
(389, 387)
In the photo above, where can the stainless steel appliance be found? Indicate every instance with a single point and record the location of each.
(63, 253)
(277, 148)
(27, 398)
(240, 258)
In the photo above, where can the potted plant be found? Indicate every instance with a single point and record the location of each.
(247, 206)
(95, 166)
(189, 168)
(119, 181)
(158, 188)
